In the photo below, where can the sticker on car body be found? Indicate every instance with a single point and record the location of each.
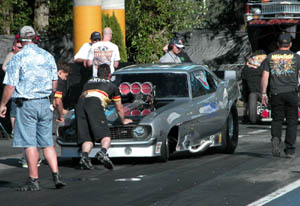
(209, 108)
(172, 117)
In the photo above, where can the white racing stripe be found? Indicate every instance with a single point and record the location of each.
(276, 194)
(258, 131)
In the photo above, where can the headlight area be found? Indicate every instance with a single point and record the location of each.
(141, 132)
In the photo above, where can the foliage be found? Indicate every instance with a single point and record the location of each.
(150, 25)
(15, 13)
(61, 17)
(18, 13)
(117, 38)
(221, 15)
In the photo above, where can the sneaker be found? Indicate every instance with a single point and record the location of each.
(57, 181)
(30, 185)
(275, 147)
(12, 134)
(85, 163)
(104, 159)
(289, 153)
(39, 162)
(24, 165)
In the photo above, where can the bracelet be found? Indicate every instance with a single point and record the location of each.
(264, 94)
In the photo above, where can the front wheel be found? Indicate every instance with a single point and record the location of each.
(164, 150)
(230, 133)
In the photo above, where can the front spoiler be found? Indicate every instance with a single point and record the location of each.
(149, 148)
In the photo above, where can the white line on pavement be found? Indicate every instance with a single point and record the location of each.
(276, 194)
(243, 135)
(258, 131)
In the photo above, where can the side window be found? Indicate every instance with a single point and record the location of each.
(199, 83)
(212, 82)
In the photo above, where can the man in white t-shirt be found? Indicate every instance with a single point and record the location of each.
(82, 55)
(104, 52)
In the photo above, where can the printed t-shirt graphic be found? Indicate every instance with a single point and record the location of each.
(282, 64)
(102, 55)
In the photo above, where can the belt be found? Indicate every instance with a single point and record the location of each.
(24, 99)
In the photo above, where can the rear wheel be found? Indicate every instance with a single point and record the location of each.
(252, 109)
(230, 132)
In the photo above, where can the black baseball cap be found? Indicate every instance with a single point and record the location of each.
(95, 36)
(176, 42)
(284, 38)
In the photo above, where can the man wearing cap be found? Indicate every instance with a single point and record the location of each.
(82, 55)
(174, 48)
(91, 122)
(31, 77)
(281, 70)
(104, 52)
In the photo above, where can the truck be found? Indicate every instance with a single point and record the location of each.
(265, 21)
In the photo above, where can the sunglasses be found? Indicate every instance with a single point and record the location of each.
(19, 47)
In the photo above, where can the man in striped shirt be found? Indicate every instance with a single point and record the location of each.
(90, 117)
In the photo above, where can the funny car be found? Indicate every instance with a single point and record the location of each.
(174, 108)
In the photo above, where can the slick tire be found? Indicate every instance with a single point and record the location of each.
(164, 151)
(230, 133)
(252, 108)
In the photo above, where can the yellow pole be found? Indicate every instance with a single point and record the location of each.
(118, 8)
(86, 19)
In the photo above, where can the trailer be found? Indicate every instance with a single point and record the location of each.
(265, 21)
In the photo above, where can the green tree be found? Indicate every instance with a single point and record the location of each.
(61, 17)
(224, 14)
(15, 13)
(117, 38)
(150, 25)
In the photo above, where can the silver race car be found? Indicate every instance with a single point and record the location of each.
(174, 108)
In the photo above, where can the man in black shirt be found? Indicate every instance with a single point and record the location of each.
(63, 72)
(281, 70)
(251, 78)
(90, 117)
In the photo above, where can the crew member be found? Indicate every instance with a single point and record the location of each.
(30, 77)
(82, 55)
(63, 72)
(174, 48)
(104, 52)
(91, 120)
(251, 78)
(281, 70)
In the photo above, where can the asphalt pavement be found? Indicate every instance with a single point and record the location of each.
(250, 176)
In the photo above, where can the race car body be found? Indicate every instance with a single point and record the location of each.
(174, 108)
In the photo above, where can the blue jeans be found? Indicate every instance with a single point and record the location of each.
(33, 125)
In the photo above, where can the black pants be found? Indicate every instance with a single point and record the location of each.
(285, 105)
(91, 120)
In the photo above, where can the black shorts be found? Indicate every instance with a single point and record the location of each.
(91, 120)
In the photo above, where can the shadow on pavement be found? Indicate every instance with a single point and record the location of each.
(252, 154)
(7, 184)
(10, 162)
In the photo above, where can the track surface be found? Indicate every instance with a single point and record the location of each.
(210, 179)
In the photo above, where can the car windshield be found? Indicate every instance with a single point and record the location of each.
(168, 85)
